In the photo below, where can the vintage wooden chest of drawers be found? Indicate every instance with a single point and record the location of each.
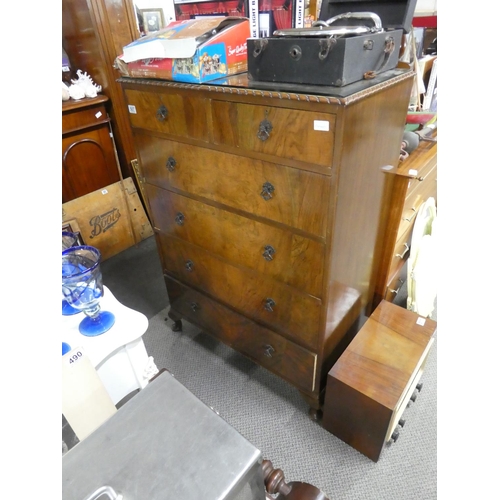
(371, 384)
(408, 186)
(266, 209)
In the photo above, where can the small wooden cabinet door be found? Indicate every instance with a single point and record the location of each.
(88, 162)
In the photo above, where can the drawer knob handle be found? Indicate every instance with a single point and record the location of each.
(162, 113)
(267, 191)
(404, 253)
(419, 386)
(414, 396)
(269, 251)
(189, 265)
(194, 307)
(409, 219)
(179, 219)
(265, 128)
(268, 351)
(395, 292)
(395, 435)
(269, 304)
(402, 422)
(171, 163)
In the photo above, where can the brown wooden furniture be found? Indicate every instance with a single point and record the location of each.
(371, 384)
(266, 207)
(94, 33)
(407, 187)
(274, 481)
(88, 153)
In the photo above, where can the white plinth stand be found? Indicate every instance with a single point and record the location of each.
(118, 355)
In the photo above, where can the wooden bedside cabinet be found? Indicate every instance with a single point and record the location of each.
(372, 382)
(88, 152)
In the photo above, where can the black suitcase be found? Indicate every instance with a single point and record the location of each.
(352, 41)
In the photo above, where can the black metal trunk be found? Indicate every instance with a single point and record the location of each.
(334, 61)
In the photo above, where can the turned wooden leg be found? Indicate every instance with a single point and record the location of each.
(274, 481)
(177, 326)
(315, 414)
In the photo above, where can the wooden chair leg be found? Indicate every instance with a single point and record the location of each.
(274, 480)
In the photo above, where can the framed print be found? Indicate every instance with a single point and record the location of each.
(71, 226)
(153, 19)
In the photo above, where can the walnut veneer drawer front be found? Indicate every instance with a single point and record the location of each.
(286, 133)
(270, 350)
(276, 253)
(281, 307)
(287, 195)
(170, 113)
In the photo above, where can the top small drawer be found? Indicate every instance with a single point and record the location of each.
(281, 132)
(82, 118)
(179, 115)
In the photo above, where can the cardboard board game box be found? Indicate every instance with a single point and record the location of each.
(193, 51)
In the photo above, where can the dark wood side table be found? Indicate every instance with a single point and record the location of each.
(377, 375)
(88, 152)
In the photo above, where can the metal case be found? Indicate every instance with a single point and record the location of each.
(164, 444)
(333, 59)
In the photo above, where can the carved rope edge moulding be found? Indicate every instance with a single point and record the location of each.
(271, 93)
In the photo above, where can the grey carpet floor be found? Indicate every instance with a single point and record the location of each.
(273, 417)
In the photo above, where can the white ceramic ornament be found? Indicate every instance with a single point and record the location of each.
(84, 81)
(76, 92)
(65, 92)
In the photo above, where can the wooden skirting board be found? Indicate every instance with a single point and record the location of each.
(111, 219)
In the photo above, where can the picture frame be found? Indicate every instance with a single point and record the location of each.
(72, 226)
(153, 19)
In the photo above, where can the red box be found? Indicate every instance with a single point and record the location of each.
(221, 55)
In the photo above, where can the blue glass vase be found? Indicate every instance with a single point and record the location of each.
(69, 240)
(83, 289)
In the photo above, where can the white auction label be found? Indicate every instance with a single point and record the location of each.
(322, 125)
(74, 355)
(98, 114)
(421, 321)
(131, 109)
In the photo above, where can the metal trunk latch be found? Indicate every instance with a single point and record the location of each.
(325, 44)
(259, 46)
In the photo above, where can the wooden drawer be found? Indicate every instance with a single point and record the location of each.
(287, 195)
(423, 190)
(294, 314)
(371, 383)
(275, 253)
(294, 134)
(268, 349)
(401, 251)
(82, 118)
(396, 280)
(428, 162)
(175, 114)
